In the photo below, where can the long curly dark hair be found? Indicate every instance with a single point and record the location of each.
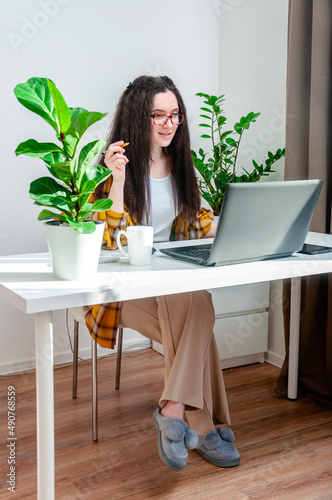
(132, 123)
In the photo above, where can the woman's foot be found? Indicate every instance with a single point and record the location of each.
(173, 409)
(217, 448)
(174, 438)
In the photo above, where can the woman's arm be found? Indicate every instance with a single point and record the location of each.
(116, 218)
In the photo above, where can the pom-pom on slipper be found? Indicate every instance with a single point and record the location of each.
(217, 448)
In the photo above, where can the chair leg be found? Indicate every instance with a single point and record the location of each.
(94, 391)
(75, 358)
(118, 359)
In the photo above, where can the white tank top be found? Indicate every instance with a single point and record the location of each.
(163, 210)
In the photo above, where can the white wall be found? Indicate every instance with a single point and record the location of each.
(253, 44)
(92, 50)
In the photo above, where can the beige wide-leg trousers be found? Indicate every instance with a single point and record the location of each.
(183, 324)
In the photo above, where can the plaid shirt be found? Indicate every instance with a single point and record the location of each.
(102, 320)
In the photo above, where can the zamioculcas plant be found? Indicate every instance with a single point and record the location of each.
(220, 169)
(72, 178)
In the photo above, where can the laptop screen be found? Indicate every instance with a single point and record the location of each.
(264, 220)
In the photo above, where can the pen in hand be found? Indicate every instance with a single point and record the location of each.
(122, 145)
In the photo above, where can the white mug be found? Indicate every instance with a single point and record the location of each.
(140, 241)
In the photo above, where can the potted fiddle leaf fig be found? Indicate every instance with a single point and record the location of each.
(74, 241)
(220, 168)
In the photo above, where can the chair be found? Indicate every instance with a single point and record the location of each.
(78, 315)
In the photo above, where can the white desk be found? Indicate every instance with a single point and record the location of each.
(26, 281)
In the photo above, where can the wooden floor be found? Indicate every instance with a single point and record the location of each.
(286, 447)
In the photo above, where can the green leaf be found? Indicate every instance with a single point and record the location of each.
(61, 109)
(45, 188)
(200, 167)
(205, 136)
(207, 110)
(54, 157)
(244, 122)
(78, 126)
(36, 149)
(101, 205)
(204, 116)
(84, 214)
(225, 134)
(97, 173)
(47, 215)
(83, 227)
(200, 94)
(221, 120)
(231, 142)
(220, 99)
(35, 96)
(87, 154)
(204, 125)
(76, 111)
(254, 116)
(61, 171)
(259, 168)
(60, 202)
(88, 187)
(238, 128)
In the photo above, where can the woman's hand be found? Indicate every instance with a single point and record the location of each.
(116, 161)
(211, 232)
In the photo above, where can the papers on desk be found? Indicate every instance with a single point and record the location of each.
(107, 256)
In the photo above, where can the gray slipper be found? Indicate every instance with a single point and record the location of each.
(217, 448)
(174, 438)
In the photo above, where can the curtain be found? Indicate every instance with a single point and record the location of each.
(309, 156)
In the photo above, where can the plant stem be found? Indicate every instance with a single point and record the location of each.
(209, 184)
(212, 133)
(220, 145)
(237, 150)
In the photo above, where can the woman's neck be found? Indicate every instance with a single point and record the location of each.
(159, 167)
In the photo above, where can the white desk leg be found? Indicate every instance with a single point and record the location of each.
(294, 337)
(45, 405)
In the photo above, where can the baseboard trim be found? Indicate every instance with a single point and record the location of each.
(28, 364)
(274, 359)
(268, 356)
(13, 367)
(248, 359)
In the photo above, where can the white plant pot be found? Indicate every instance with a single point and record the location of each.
(74, 256)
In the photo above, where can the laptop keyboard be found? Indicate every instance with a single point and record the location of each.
(200, 253)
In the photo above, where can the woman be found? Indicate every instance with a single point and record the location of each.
(153, 183)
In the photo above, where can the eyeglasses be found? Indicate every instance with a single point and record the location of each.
(159, 119)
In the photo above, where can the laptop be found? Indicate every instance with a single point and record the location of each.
(258, 221)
